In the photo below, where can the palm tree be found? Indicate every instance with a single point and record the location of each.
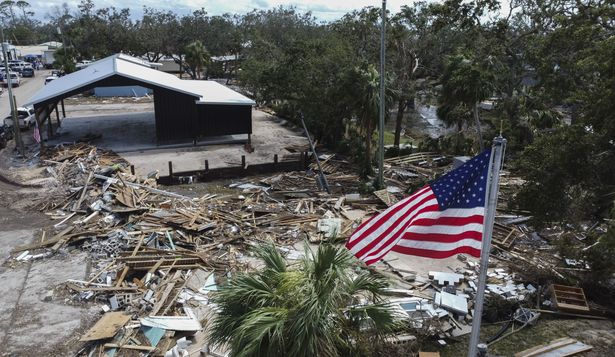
(197, 57)
(313, 309)
(465, 83)
(363, 85)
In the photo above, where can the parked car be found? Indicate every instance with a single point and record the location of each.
(25, 116)
(50, 78)
(57, 73)
(15, 80)
(27, 72)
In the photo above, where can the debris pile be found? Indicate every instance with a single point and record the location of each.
(157, 255)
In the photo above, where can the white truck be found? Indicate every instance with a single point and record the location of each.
(25, 116)
(48, 58)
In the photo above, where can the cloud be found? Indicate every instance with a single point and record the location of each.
(327, 10)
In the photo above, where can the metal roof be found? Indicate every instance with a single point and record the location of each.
(205, 92)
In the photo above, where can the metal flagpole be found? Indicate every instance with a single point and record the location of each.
(491, 200)
(382, 100)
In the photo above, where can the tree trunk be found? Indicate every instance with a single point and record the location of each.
(369, 134)
(401, 108)
(478, 131)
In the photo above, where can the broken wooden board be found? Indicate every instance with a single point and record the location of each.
(569, 298)
(429, 354)
(387, 198)
(106, 327)
(558, 348)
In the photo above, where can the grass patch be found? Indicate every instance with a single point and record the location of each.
(545, 330)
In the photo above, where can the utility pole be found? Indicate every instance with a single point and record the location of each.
(18, 142)
(382, 99)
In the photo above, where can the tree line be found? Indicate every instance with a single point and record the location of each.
(548, 65)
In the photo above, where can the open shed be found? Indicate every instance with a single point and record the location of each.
(185, 110)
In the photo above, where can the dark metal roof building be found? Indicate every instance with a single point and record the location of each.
(185, 110)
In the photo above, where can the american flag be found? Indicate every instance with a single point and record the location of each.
(36, 134)
(440, 220)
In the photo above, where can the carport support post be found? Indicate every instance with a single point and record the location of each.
(49, 126)
(63, 110)
(58, 115)
(171, 170)
(37, 113)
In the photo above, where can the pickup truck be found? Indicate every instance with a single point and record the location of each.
(25, 116)
(15, 80)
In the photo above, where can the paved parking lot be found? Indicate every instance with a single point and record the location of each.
(26, 89)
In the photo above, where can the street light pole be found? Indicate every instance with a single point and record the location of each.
(382, 100)
(9, 82)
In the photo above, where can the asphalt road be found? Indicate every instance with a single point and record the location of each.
(27, 88)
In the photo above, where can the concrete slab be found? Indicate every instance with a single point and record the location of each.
(422, 266)
(31, 326)
(132, 135)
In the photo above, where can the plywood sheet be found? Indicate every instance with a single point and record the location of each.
(106, 327)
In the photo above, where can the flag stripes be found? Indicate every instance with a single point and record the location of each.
(439, 220)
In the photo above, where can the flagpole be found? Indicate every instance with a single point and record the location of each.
(491, 200)
(382, 100)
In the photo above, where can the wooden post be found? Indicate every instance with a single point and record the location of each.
(63, 110)
(132, 169)
(206, 165)
(243, 161)
(275, 158)
(49, 128)
(58, 115)
(170, 169)
(37, 114)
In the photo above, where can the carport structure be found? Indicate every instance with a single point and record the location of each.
(185, 110)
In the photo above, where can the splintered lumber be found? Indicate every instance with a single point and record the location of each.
(144, 187)
(385, 197)
(557, 348)
(130, 347)
(106, 327)
(52, 241)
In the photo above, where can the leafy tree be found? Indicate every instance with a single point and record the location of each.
(8, 8)
(405, 64)
(466, 81)
(365, 101)
(65, 59)
(313, 309)
(197, 57)
(156, 33)
(568, 176)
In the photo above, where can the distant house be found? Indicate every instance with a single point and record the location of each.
(11, 52)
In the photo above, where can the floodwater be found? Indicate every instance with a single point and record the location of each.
(432, 125)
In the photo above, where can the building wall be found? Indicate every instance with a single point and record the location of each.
(216, 119)
(175, 116)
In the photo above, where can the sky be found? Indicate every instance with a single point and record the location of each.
(322, 9)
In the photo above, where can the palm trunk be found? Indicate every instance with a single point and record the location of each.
(401, 108)
(478, 131)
